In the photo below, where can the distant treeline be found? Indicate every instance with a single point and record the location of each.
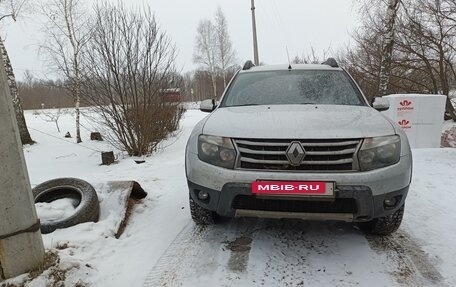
(47, 94)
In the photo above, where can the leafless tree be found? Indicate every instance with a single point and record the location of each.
(187, 90)
(51, 116)
(388, 45)
(11, 9)
(429, 43)
(423, 57)
(50, 94)
(202, 85)
(226, 54)
(205, 53)
(200, 82)
(311, 58)
(128, 66)
(68, 31)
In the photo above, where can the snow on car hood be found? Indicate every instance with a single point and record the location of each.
(297, 122)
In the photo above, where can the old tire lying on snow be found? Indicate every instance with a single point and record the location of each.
(83, 195)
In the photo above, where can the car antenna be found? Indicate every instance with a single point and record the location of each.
(288, 56)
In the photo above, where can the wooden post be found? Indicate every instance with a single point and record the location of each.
(21, 245)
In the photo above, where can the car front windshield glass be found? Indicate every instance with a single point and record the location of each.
(294, 87)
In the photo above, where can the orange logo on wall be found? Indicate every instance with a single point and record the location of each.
(405, 124)
(405, 105)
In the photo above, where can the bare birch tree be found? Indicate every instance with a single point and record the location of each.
(206, 51)
(68, 31)
(424, 49)
(226, 53)
(388, 45)
(11, 9)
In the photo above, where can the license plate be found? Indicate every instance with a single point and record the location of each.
(314, 188)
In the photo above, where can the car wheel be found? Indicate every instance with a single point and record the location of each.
(200, 215)
(82, 194)
(383, 225)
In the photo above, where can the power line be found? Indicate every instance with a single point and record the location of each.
(78, 144)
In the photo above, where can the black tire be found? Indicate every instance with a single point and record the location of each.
(85, 201)
(383, 225)
(200, 215)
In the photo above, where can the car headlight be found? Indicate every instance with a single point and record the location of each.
(379, 152)
(215, 150)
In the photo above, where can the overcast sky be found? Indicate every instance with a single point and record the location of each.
(296, 24)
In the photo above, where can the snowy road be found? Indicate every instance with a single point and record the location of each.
(162, 247)
(257, 252)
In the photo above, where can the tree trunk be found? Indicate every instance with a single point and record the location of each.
(387, 53)
(77, 101)
(78, 129)
(449, 109)
(75, 44)
(224, 78)
(214, 84)
(23, 131)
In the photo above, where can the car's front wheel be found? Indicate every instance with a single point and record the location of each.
(383, 225)
(200, 215)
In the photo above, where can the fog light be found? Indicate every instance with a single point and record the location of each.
(203, 195)
(390, 202)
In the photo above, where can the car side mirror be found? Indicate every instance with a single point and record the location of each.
(380, 104)
(208, 106)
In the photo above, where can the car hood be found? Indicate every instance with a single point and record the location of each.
(297, 122)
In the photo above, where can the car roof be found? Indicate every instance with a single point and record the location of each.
(293, 67)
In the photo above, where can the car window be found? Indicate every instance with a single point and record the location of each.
(292, 87)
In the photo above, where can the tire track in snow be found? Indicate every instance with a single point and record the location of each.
(287, 253)
(290, 253)
(165, 270)
(201, 253)
(305, 253)
(414, 268)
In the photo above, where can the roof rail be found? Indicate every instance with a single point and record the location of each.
(331, 62)
(249, 64)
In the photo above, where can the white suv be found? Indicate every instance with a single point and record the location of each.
(298, 141)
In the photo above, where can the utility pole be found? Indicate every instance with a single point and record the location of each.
(21, 245)
(255, 41)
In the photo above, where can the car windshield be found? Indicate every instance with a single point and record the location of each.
(320, 87)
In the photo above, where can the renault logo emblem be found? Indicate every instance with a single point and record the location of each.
(295, 153)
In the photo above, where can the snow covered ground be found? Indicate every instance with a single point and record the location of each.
(162, 247)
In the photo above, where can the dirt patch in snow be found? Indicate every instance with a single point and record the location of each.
(52, 273)
(55, 275)
(240, 249)
(414, 268)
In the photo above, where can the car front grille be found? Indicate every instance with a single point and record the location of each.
(320, 155)
(251, 202)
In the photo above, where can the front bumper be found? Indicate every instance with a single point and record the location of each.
(364, 206)
(368, 190)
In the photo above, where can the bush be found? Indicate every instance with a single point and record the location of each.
(127, 65)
